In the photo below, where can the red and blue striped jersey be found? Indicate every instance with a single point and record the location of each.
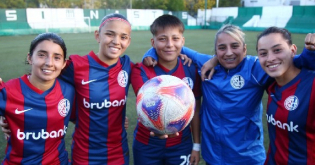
(101, 94)
(141, 74)
(38, 121)
(291, 121)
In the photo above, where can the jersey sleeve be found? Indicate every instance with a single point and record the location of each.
(138, 77)
(305, 60)
(196, 57)
(2, 99)
(67, 73)
(150, 53)
(258, 74)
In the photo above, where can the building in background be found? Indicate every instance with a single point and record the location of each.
(261, 3)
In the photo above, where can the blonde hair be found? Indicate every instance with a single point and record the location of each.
(233, 31)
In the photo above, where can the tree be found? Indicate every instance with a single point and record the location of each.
(56, 3)
(78, 3)
(150, 4)
(173, 5)
(176, 5)
(115, 4)
(60, 3)
(229, 3)
(192, 6)
(32, 3)
(10, 4)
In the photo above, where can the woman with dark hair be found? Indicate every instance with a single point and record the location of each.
(37, 106)
(291, 108)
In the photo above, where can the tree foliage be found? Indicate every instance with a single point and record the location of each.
(9, 4)
(115, 4)
(62, 3)
(191, 6)
(150, 4)
(229, 3)
(176, 5)
(32, 3)
(57, 3)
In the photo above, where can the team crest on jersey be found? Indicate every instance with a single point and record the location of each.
(291, 103)
(64, 107)
(122, 78)
(189, 82)
(237, 82)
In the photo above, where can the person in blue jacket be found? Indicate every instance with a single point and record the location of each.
(231, 112)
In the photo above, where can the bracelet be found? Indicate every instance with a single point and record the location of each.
(196, 147)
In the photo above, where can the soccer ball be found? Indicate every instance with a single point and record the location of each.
(165, 104)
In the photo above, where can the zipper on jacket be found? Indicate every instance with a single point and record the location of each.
(227, 72)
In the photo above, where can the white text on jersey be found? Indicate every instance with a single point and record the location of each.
(42, 134)
(104, 104)
(290, 127)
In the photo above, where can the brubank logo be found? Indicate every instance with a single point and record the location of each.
(289, 127)
(104, 104)
(41, 135)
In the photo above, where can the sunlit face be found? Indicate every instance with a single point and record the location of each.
(230, 52)
(168, 43)
(47, 62)
(113, 39)
(275, 55)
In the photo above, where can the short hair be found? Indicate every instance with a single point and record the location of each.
(50, 37)
(110, 16)
(284, 32)
(233, 31)
(165, 21)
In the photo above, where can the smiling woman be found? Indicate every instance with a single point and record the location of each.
(102, 82)
(230, 46)
(276, 56)
(291, 109)
(47, 61)
(28, 104)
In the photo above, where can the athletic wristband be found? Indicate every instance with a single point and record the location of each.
(196, 147)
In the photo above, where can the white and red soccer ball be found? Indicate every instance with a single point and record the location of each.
(165, 104)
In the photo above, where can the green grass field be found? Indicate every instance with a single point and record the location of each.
(15, 48)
